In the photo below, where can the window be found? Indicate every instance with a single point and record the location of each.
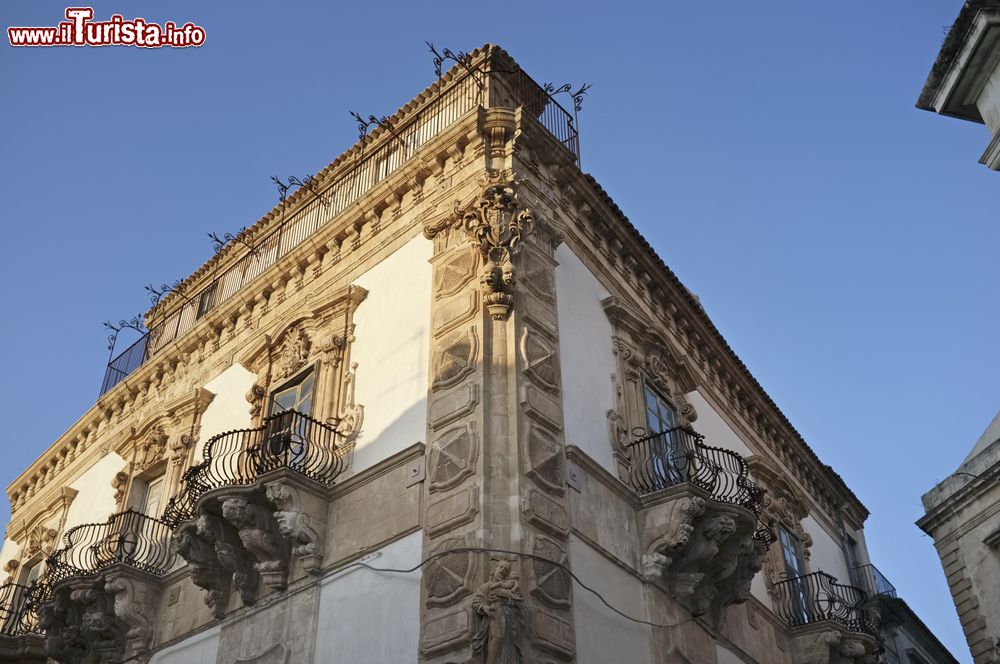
(152, 498)
(296, 395)
(795, 568)
(206, 301)
(668, 460)
(31, 572)
(660, 414)
(851, 555)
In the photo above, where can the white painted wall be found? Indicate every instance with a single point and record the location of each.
(393, 339)
(229, 409)
(825, 554)
(726, 656)
(95, 501)
(202, 648)
(585, 356)
(602, 636)
(715, 429)
(367, 616)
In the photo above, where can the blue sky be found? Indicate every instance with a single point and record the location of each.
(843, 241)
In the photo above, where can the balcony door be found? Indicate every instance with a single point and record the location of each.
(795, 570)
(667, 459)
(287, 436)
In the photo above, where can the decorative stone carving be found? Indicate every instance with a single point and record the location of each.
(500, 611)
(552, 583)
(42, 539)
(152, 450)
(304, 534)
(455, 359)
(255, 397)
(294, 353)
(497, 224)
(700, 550)
(204, 566)
(540, 360)
(451, 277)
(119, 482)
(231, 555)
(258, 531)
(831, 646)
(352, 414)
(545, 459)
(448, 575)
(179, 447)
(80, 625)
(135, 606)
(784, 507)
(453, 456)
(10, 568)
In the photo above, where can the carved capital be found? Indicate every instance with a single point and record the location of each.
(304, 532)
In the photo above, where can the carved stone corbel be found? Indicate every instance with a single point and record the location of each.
(80, 624)
(204, 566)
(258, 531)
(701, 551)
(301, 521)
(825, 645)
(135, 606)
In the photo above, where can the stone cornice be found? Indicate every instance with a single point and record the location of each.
(342, 165)
(598, 224)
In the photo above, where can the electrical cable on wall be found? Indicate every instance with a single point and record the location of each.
(522, 554)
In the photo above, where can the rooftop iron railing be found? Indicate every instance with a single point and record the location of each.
(509, 89)
(873, 582)
(816, 597)
(287, 439)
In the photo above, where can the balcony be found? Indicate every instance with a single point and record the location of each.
(96, 599)
(700, 520)
(19, 639)
(255, 504)
(830, 621)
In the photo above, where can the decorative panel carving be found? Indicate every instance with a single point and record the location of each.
(453, 456)
(448, 576)
(455, 359)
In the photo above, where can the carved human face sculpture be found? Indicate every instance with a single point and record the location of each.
(286, 522)
(234, 510)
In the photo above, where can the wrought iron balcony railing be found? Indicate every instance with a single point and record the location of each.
(454, 98)
(13, 608)
(678, 455)
(873, 581)
(237, 458)
(129, 538)
(816, 597)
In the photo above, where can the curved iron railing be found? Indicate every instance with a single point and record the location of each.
(815, 597)
(13, 604)
(678, 455)
(288, 439)
(128, 537)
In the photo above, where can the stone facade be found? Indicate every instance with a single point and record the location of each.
(965, 79)
(420, 434)
(963, 518)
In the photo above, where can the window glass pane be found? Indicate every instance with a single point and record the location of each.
(154, 496)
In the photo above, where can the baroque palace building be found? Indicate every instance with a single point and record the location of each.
(442, 404)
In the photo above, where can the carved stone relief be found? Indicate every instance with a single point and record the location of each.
(552, 583)
(540, 360)
(448, 576)
(258, 530)
(500, 612)
(453, 456)
(304, 533)
(544, 459)
(455, 359)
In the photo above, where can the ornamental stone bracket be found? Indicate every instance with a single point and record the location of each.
(246, 535)
(829, 642)
(300, 513)
(105, 618)
(700, 551)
